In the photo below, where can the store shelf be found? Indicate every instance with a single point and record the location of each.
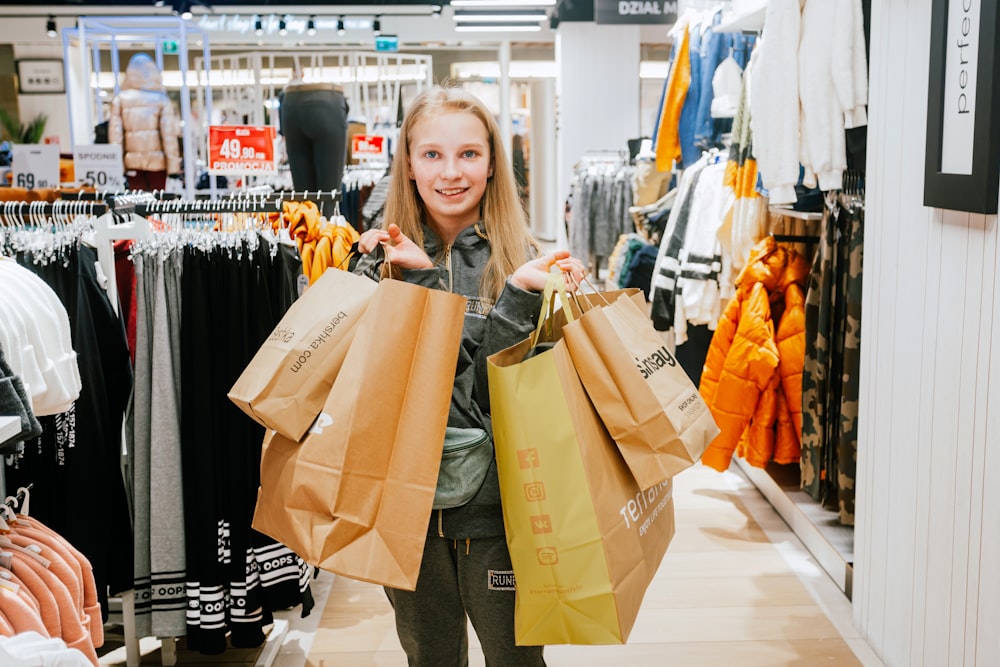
(750, 20)
(272, 646)
(9, 427)
(819, 529)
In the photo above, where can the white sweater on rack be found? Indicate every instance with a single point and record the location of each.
(775, 101)
(833, 86)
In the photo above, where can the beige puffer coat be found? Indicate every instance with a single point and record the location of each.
(143, 120)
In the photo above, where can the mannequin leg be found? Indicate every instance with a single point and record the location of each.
(315, 126)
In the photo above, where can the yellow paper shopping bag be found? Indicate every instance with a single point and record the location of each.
(584, 539)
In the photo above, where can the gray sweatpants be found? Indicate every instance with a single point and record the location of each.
(471, 577)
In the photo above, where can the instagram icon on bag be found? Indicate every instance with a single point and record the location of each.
(534, 491)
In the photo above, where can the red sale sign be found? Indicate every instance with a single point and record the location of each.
(368, 146)
(241, 149)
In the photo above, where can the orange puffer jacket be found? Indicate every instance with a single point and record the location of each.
(752, 379)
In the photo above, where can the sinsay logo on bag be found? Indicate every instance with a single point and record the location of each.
(654, 362)
(322, 421)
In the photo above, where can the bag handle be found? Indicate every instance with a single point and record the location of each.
(554, 284)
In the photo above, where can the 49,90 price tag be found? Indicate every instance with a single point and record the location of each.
(99, 166)
(35, 166)
(240, 149)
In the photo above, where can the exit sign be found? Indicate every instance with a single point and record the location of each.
(387, 43)
(169, 46)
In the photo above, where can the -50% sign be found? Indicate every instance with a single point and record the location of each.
(240, 149)
(99, 166)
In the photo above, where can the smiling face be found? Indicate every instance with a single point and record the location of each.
(450, 164)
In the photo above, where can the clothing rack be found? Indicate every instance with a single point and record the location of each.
(236, 203)
(604, 155)
(40, 213)
(795, 238)
(17, 500)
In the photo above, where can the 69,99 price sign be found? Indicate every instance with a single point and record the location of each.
(35, 166)
(241, 149)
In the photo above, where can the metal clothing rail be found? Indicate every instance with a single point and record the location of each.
(254, 203)
(39, 213)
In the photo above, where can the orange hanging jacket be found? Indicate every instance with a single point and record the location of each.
(752, 379)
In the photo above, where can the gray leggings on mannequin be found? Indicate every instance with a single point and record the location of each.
(314, 122)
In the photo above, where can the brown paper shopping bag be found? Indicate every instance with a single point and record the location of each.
(585, 541)
(651, 407)
(285, 384)
(354, 496)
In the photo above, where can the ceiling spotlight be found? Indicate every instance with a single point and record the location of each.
(282, 27)
(340, 26)
(182, 8)
(50, 26)
(436, 11)
(258, 26)
(377, 26)
(159, 3)
(311, 26)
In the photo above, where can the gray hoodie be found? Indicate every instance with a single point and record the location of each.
(489, 327)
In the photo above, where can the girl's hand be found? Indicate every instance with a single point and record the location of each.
(531, 276)
(370, 239)
(400, 251)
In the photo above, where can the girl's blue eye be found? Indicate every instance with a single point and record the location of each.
(470, 153)
(430, 154)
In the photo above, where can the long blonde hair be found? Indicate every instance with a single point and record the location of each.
(503, 218)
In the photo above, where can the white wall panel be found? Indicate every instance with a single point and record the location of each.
(927, 549)
(597, 94)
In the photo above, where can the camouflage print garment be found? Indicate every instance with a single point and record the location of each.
(832, 357)
(847, 444)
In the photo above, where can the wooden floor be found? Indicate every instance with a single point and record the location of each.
(736, 587)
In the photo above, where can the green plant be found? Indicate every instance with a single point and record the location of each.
(20, 133)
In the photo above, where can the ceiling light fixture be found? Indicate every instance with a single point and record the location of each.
(258, 25)
(340, 26)
(482, 4)
(500, 16)
(159, 3)
(377, 26)
(282, 27)
(50, 26)
(311, 26)
(498, 27)
(182, 8)
(436, 11)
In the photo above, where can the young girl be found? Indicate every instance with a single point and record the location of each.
(455, 222)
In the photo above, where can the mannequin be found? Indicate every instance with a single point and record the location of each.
(314, 123)
(144, 124)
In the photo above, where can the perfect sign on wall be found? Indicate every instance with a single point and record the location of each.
(632, 12)
(962, 170)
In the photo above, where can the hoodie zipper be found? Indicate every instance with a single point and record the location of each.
(451, 288)
(447, 266)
